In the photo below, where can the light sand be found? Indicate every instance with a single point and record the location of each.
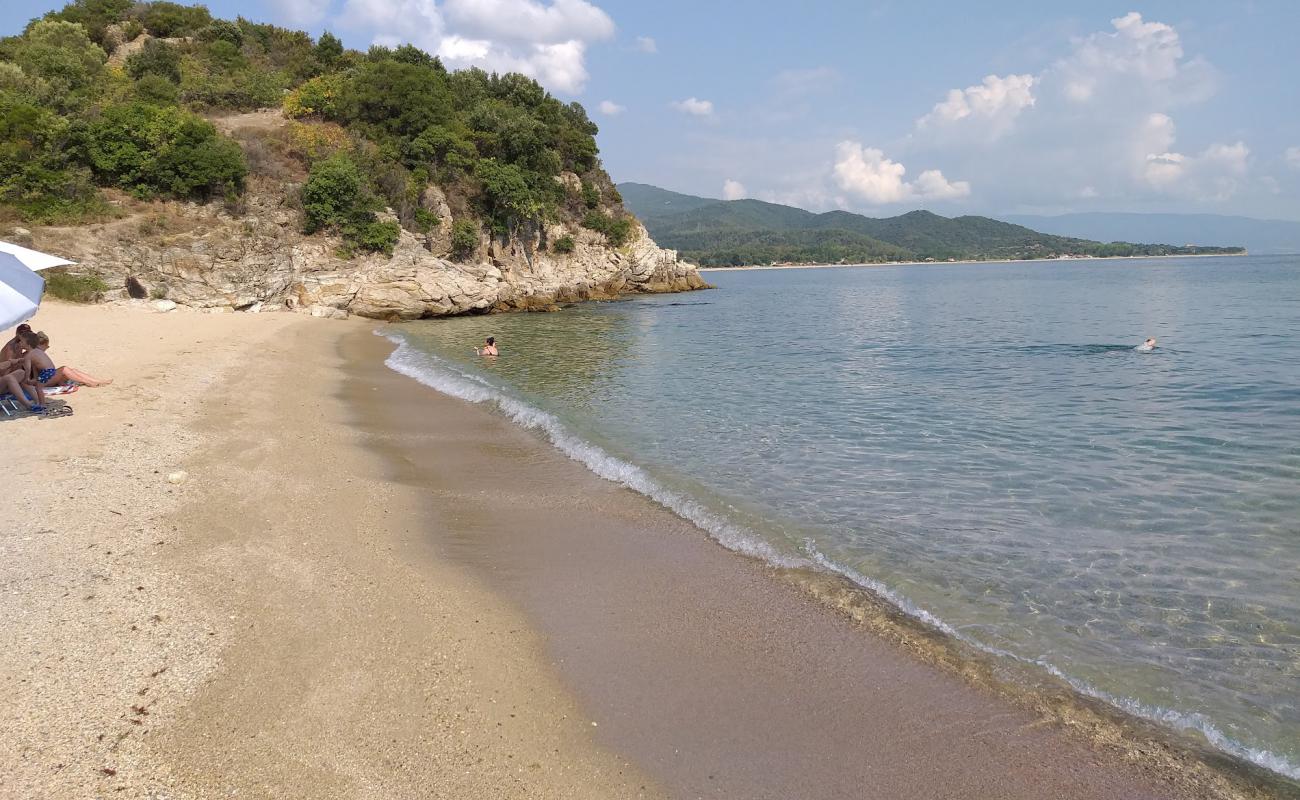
(271, 627)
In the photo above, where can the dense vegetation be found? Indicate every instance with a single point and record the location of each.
(114, 94)
(737, 232)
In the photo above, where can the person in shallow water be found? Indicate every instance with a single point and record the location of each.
(489, 347)
(1148, 345)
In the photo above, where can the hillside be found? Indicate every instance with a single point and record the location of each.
(736, 232)
(1257, 235)
(114, 112)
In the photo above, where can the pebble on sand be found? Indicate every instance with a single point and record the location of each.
(178, 477)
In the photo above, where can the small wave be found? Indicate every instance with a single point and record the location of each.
(1178, 720)
(443, 376)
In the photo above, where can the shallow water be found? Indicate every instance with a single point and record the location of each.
(981, 442)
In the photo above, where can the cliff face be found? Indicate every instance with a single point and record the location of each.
(206, 257)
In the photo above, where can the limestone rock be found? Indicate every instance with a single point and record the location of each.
(258, 261)
(164, 305)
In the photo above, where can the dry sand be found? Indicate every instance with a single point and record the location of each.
(365, 589)
(271, 626)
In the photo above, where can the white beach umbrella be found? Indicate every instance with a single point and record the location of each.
(20, 285)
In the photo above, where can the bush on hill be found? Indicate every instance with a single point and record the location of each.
(371, 128)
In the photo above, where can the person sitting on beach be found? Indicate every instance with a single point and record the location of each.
(57, 375)
(25, 380)
(489, 347)
(1148, 345)
(15, 348)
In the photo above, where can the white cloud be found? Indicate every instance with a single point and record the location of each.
(1099, 116)
(734, 190)
(547, 41)
(691, 105)
(611, 109)
(1136, 56)
(997, 101)
(646, 45)
(301, 12)
(1293, 157)
(866, 173)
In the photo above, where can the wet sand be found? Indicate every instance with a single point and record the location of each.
(702, 667)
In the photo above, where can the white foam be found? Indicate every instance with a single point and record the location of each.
(445, 377)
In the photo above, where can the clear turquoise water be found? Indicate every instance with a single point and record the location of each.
(981, 443)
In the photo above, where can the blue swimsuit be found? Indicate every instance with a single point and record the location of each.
(45, 375)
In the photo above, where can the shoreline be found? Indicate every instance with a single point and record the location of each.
(362, 587)
(753, 267)
(1120, 740)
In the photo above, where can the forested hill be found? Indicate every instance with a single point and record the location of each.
(738, 232)
(108, 100)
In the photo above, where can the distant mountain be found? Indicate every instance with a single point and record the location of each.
(737, 232)
(1256, 235)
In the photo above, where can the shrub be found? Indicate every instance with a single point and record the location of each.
(464, 238)
(507, 194)
(312, 142)
(61, 54)
(316, 96)
(425, 220)
(159, 150)
(564, 244)
(618, 231)
(84, 288)
(157, 90)
(373, 236)
(156, 58)
(332, 194)
(590, 195)
(223, 30)
(168, 19)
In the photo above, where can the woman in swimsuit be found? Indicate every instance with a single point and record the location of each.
(489, 347)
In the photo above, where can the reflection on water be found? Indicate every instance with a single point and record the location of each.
(985, 441)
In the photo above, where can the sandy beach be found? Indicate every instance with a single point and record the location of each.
(360, 588)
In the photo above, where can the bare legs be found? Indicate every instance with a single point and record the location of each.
(10, 383)
(65, 374)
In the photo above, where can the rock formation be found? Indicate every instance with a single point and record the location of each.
(256, 259)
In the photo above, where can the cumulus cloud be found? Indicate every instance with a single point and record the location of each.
(1135, 55)
(611, 109)
(646, 45)
(694, 106)
(1097, 122)
(1292, 156)
(867, 174)
(997, 101)
(734, 190)
(545, 40)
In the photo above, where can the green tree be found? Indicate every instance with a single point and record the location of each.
(160, 150)
(507, 195)
(156, 58)
(328, 50)
(395, 98)
(167, 19)
(93, 15)
(61, 54)
(332, 194)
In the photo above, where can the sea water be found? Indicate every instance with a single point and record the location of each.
(981, 444)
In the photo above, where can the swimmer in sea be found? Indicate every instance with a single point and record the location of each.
(489, 347)
(1148, 345)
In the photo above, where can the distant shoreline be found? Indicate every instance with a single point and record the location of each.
(752, 267)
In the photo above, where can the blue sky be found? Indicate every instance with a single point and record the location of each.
(881, 107)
